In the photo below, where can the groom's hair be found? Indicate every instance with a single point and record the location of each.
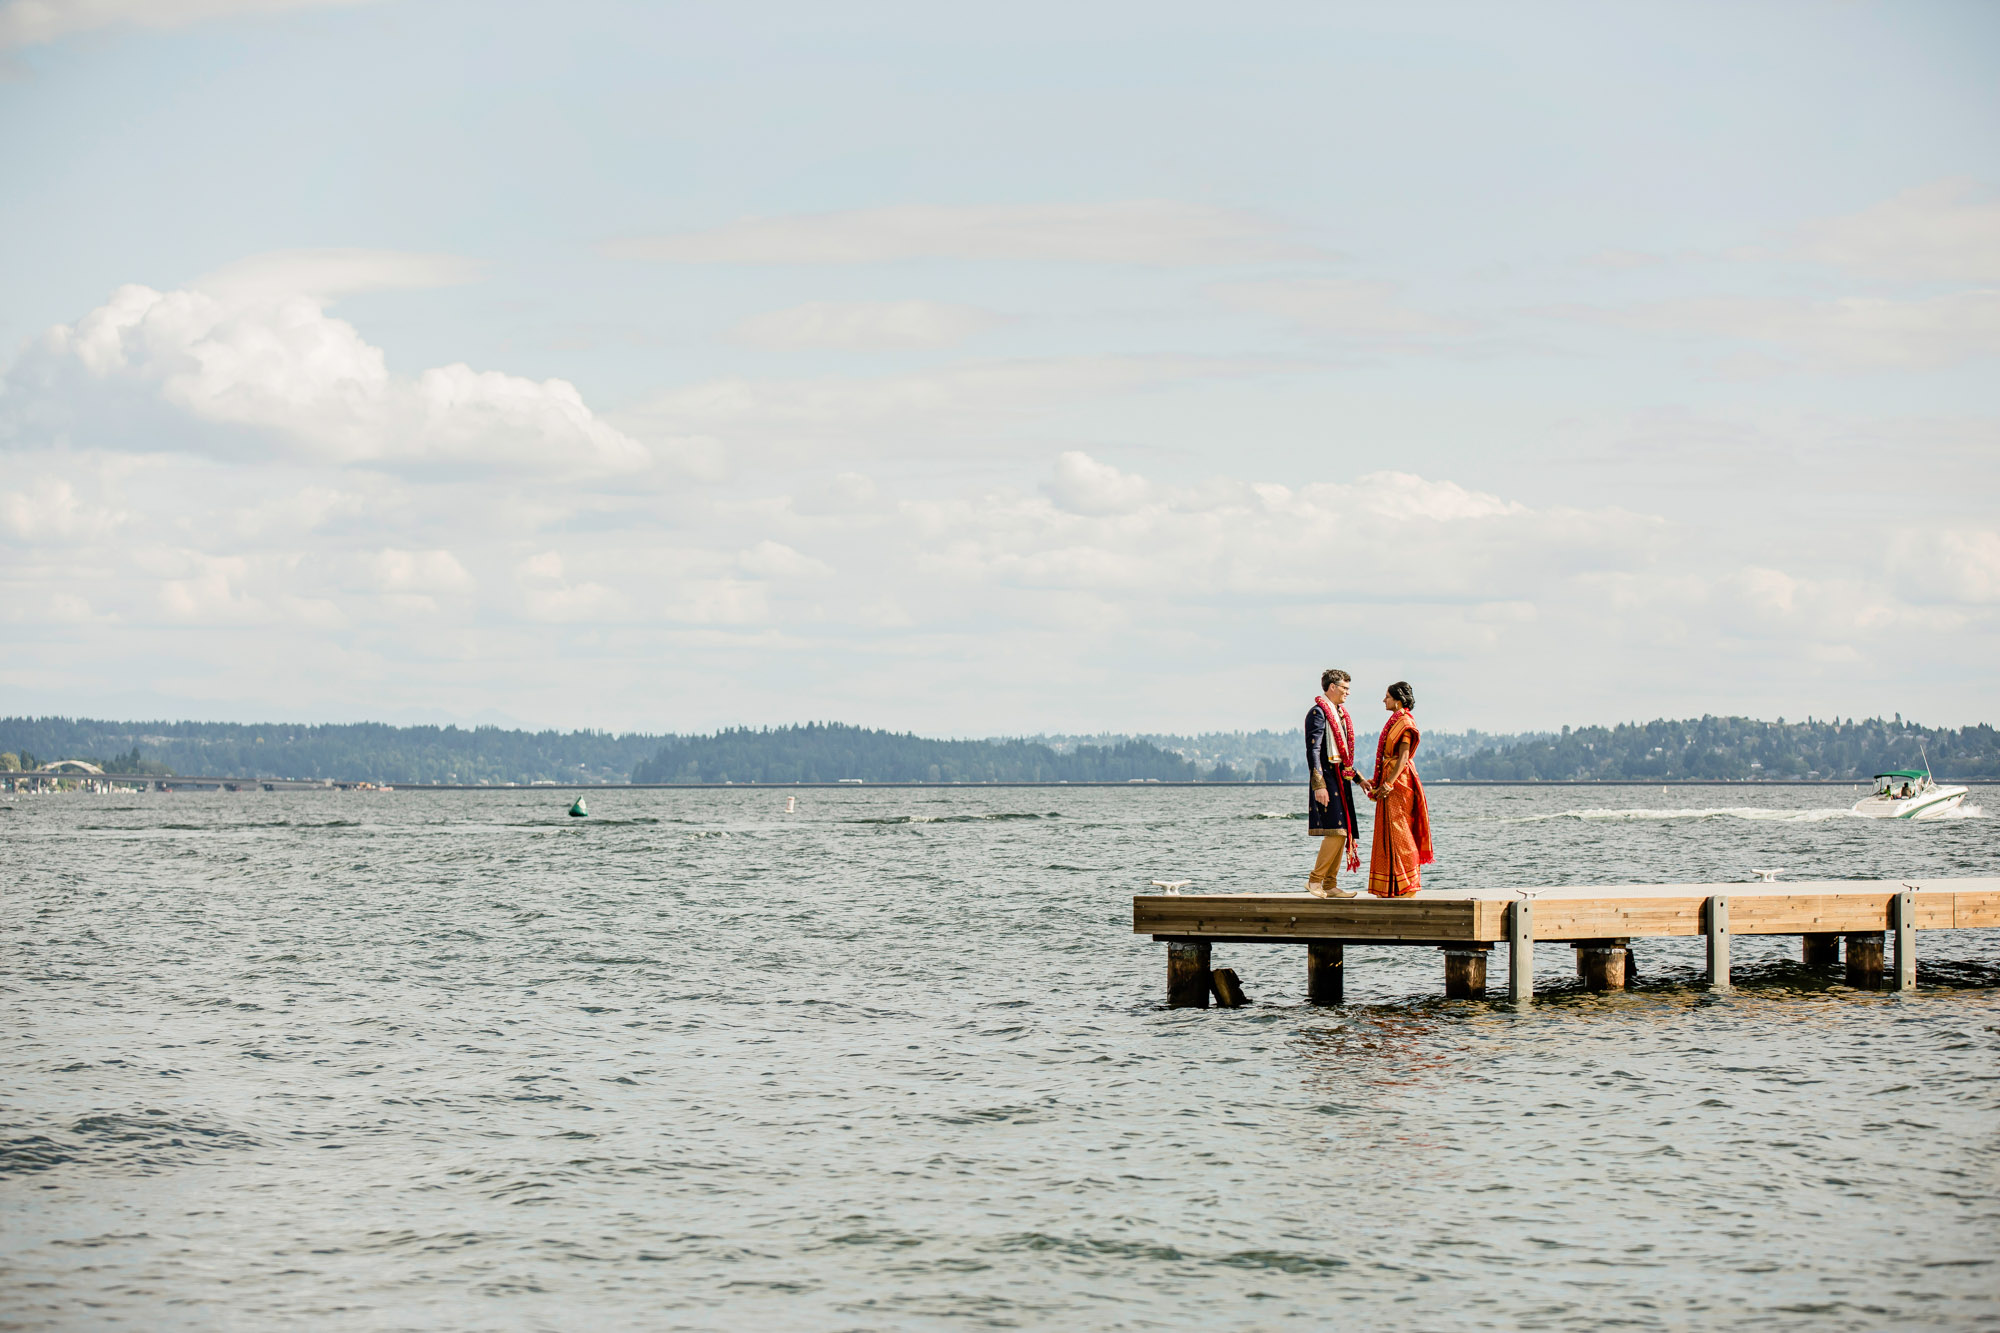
(1330, 675)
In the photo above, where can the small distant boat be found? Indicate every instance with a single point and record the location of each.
(579, 810)
(1907, 793)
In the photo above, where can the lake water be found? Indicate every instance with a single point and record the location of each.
(454, 1061)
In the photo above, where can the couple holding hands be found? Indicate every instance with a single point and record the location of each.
(1402, 818)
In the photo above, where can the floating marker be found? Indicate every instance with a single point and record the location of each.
(579, 810)
(791, 805)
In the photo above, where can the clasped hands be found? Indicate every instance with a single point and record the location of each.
(1322, 796)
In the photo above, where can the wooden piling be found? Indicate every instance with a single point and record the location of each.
(1821, 948)
(1326, 974)
(1864, 960)
(1464, 973)
(1187, 975)
(1601, 964)
(1228, 988)
(1521, 951)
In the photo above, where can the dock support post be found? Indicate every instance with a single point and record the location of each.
(1601, 964)
(1821, 949)
(1715, 924)
(1465, 972)
(1864, 960)
(1521, 951)
(1326, 974)
(1906, 940)
(1187, 976)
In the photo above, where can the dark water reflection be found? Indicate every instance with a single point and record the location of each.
(455, 1061)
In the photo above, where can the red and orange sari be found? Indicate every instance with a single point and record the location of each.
(1402, 817)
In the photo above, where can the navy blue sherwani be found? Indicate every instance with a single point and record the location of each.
(1323, 767)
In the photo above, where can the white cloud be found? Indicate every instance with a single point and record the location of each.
(35, 22)
(42, 607)
(1045, 592)
(1941, 230)
(50, 510)
(1340, 307)
(848, 493)
(579, 603)
(1116, 534)
(547, 594)
(1761, 603)
(726, 602)
(325, 275)
(775, 560)
(296, 513)
(1148, 231)
(1851, 333)
(279, 371)
(957, 397)
(1082, 485)
(1951, 565)
(212, 588)
(863, 324)
(395, 571)
(547, 565)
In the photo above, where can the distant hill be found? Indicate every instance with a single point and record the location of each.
(1281, 753)
(831, 752)
(375, 752)
(1729, 748)
(1733, 748)
(347, 752)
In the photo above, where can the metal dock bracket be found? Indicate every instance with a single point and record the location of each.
(1521, 951)
(1716, 927)
(1906, 940)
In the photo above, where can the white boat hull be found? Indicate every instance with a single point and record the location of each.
(1924, 805)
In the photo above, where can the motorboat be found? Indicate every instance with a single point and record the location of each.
(1908, 793)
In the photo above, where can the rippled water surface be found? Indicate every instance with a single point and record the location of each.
(455, 1061)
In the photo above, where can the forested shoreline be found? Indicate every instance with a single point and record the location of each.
(1695, 749)
(1734, 749)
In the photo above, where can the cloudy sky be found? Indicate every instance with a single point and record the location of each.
(994, 369)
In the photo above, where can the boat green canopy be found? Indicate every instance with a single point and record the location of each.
(1903, 773)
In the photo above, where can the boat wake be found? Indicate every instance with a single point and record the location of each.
(952, 819)
(1749, 812)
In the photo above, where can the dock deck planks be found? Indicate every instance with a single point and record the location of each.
(1575, 913)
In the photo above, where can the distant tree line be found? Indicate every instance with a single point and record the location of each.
(1734, 748)
(832, 752)
(1730, 748)
(347, 752)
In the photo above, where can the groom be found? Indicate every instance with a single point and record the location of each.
(1330, 767)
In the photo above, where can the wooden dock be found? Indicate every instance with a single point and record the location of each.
(1598, 921)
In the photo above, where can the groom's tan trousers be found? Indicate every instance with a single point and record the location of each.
(1326, 867)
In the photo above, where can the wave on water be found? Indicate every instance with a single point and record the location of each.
(953, 819)
(1279, 814)
(1748, 812)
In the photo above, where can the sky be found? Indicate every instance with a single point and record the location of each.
(999, 369)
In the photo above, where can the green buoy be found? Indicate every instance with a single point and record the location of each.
(579, 810)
